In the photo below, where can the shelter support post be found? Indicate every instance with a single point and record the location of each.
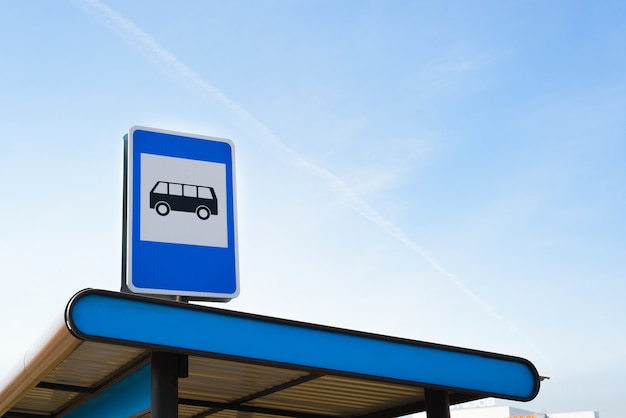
(437, 403)
(164, 385)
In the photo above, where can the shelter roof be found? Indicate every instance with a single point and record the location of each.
(240, 363)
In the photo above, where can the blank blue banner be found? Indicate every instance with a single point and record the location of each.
(104, 315)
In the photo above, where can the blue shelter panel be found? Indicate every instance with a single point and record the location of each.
(101, 315)
(124, 399)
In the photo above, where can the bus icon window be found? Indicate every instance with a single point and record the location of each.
(166, 196)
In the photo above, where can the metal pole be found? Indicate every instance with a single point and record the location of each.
(437, 403)
(164, 385)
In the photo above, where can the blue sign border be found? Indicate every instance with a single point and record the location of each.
(192, 271)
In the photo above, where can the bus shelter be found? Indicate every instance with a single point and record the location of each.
(122, 355)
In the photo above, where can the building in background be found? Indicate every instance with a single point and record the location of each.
(490, 408)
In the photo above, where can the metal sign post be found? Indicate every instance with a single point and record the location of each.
(180, 233)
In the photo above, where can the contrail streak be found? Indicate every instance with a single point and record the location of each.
(146, 43)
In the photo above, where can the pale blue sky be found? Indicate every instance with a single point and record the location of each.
(443, 171)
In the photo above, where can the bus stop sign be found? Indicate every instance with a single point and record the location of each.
(180, 233)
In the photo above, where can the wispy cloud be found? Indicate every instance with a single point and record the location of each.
(149, 45)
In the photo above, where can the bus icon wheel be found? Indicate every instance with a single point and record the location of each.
(162, 208)
(203, 212)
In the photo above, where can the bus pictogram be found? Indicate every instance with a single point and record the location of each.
(167, 196)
